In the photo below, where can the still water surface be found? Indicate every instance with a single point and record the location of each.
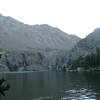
(53, 86)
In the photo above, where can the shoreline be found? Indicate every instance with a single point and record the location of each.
(19, 72)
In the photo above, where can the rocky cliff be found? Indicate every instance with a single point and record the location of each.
(40, 60)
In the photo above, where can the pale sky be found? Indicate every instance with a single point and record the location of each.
(78, 17)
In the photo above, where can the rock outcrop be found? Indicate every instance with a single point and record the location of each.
(32, 61)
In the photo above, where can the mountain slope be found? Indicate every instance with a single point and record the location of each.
(15, 35)
(87, 45)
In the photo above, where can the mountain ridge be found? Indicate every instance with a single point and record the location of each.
(16, 35)
(87, 45)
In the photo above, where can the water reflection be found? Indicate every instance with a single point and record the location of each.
(53, 86)
(81, 94)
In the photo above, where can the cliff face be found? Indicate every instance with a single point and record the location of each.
(32, 61)
(20, 61)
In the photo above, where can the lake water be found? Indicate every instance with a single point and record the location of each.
(53, 86)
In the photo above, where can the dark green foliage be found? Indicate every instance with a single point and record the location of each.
(3, 86)
(91, 61)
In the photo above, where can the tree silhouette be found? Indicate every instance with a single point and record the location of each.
(3, 86)
(91, 61)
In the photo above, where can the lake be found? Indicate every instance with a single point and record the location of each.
(53, 86)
